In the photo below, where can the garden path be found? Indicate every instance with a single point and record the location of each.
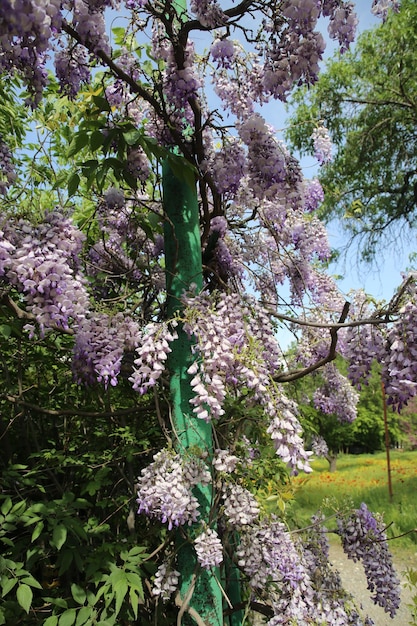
(354, 581)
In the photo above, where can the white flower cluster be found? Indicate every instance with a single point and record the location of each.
(240, 506)
(165, 581)
(209, 549)
(152, 353)
(165, 488)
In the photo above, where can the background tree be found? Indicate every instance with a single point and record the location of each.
(367, 100)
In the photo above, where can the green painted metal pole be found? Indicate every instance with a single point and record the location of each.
(183, 268)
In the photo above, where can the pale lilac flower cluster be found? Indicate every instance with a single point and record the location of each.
(181, 84)
(114, 198)
(301, 14)
(26, 28)
(293, 59)
(239, 505)
(6, 251)
(152, 352)
(7, 170)
(224, 260)
(208, 13)
(237, 346)
(209, 549)
(313, 196)
(89, 22)
(336, 395)
(319, 446)
(138, 164)
(223, 52)
(165, 488)
(267, 157)
(270, 560)
(43, 265)
(322, 144)
(100, 343)
(343, 22)
(72, 68)
(285, 431)
(227, 166)
(335, 606)
(165, 581)
(400, 365)
(364, 539)
(363, 346)
(381, 8)
(224, 461)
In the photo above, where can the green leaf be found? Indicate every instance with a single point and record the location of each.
(135, 582)
(78, 143)
(59, 536)
(5, 330)
(7, 504)
(73, 184)
(24, 597)
(96, 140)
(119, 35)
(78, 594)
(102, 104)
(134, 602)
(65, 560)
(68, 617)
(52, 620)
(84, 615)
(29, 580)
(37, 531)
(132, 137)
(120, 590)
(7, 585)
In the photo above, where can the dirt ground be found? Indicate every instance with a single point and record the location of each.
(354, 581)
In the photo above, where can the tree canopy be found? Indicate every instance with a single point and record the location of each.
(367, 98)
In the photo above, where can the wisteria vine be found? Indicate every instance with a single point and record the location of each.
(101, 279)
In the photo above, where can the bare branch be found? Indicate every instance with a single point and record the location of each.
(296, 374)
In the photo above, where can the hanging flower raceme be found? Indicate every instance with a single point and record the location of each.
(165, 488)
(43, 263)
(152, 353)
(209, 549)
(165, 581)
(336, 396)
(322, 145)
(364, 539)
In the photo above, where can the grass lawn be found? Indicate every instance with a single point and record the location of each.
(363, 478)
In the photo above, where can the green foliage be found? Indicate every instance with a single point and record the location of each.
(71, 551)
(411, 583)
(366, 433)
(367, 99)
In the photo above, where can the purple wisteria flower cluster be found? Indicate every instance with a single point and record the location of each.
(43, 264)
(336, 396)
(364, 539)
(165, 488)
(400, 363)
(7, 170)
(100, 343)
(322, 145)
(209, 549)
(152, 352)
(166, 580)
(319, 446)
